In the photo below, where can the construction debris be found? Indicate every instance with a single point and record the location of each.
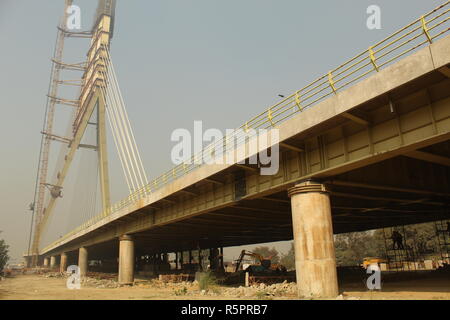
(262, 290)
(54, 275)
(99, 283)
(176, 277)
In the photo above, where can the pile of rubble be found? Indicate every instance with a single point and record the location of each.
(184, 277)
(192, 288)
(99, 283)
(262, 290)
(155, 283)
(54, 275)
(93, 281)
(29, 271)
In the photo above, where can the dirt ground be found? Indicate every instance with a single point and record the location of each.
(37, 287)
(41, 287)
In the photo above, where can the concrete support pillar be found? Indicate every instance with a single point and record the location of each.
(221, 258)
(45, 262)
(52, 262)
(83, 261)
(214, 259)
(126, 260)
(181, 260)
(63, 263)
(211, 258)
(176, 260)
(315, 260)
(200, 267)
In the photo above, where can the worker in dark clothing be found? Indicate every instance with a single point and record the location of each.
(397, 239)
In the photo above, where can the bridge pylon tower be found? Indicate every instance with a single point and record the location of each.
(91, 101)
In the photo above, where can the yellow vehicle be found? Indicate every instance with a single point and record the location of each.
(371, 260)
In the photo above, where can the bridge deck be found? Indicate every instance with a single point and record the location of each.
(382, 145)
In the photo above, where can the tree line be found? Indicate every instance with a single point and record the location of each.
(4, 257)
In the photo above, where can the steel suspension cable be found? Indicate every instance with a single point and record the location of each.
(117, 143)
(116, 119)
(126, 115)
(124, 126)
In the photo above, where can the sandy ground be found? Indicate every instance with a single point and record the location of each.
(422, 289)
(38, 287)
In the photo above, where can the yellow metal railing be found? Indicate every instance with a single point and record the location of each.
(422, 31)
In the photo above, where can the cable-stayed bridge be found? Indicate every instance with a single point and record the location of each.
(364, 146)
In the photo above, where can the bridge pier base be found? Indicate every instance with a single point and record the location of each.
(28, 262)
(52, 262)
(63, 263)
(126, 260)
(83, 261)
(315, 260)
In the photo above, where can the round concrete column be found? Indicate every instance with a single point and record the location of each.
(63, 263)
(315, 260)
(181, 259)
(45, 262)
(52, 262)
(83, 261)
(126, 260)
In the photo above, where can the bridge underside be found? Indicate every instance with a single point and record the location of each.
(398, 191)
(405, 189)
(385, 162)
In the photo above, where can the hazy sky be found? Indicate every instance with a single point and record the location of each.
(177, 61)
